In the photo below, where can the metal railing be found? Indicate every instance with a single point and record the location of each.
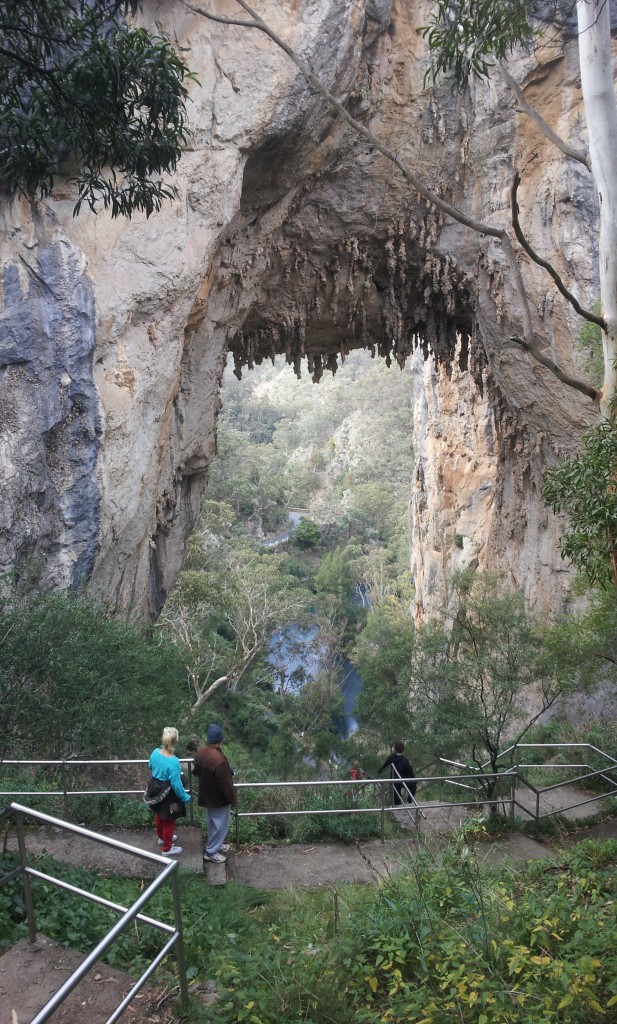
(472, 780)
(518, 767)
(383, 788)
(169, 874)
(589, 775)
(64, 790)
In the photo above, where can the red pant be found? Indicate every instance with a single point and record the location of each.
(165, 831)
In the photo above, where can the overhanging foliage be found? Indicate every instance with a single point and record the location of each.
(83, 93)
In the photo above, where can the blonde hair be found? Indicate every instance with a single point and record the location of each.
(169, 738)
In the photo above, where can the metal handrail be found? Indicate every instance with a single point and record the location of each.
(555, 746)
(169, 874)
(393, 768)
(471, 779)
(383, 786)
(65, 793)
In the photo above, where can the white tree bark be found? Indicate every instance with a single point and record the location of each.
(601, 113)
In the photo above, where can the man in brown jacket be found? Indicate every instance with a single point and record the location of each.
(217, 793)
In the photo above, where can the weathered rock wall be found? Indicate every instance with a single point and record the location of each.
(288, 235)
(476, 493)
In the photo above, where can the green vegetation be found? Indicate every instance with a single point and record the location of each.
(263, 630)
(255, 636)
(589, 344)
(446, 938)
(461, 684)
(85, 95)
(585, 488)
(469, 38)
(306, 534)
(75, 682)
(383, 655)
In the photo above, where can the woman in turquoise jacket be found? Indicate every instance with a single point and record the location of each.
(166, 769)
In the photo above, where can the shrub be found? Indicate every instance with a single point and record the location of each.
(75, 681)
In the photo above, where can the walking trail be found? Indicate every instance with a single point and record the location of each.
(30, 973)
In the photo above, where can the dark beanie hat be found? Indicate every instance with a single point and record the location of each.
(215, 734)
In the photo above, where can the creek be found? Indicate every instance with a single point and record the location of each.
(297, 656)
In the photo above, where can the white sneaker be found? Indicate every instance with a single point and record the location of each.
(216, 858)
(225, 848)
(174, 850)
(160, 841)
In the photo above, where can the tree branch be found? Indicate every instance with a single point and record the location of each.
(359, 128)
(36, 69)
(524, 108)
(219, 17)
(592, 317)
(565, 378)
(605, 657)
(204, 694)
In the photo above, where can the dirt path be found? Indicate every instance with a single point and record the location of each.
(264, 867)
(30, 974)
(271, 867)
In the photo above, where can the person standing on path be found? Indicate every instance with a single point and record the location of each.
(401, 770)
(166, 770)
(217, 793)
(356, 773)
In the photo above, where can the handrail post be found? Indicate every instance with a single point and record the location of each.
(237, 814)
(383, 811)
(179, 945)
(21, 843)
(65, 797)
(191, 801)
(512, 799)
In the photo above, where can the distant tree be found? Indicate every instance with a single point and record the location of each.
(287, 655)
(283, 750)
(386, 575)
(481, 674)
(225, 614)
(584, 642)
(372, 510)
(306, 534)
(383, 656)
(335, 576)
(83, 93)
(248, 476)
(316, 706)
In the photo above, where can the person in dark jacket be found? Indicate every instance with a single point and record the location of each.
(217, 793)
(400, 768)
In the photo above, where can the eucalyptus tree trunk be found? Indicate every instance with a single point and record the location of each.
(594, 37)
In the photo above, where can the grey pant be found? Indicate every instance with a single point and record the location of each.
(217, 823)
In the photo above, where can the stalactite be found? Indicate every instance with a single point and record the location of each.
(399, 296)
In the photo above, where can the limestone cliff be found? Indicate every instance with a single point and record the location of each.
(289, 235)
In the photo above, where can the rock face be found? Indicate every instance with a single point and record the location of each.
(289, 235)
